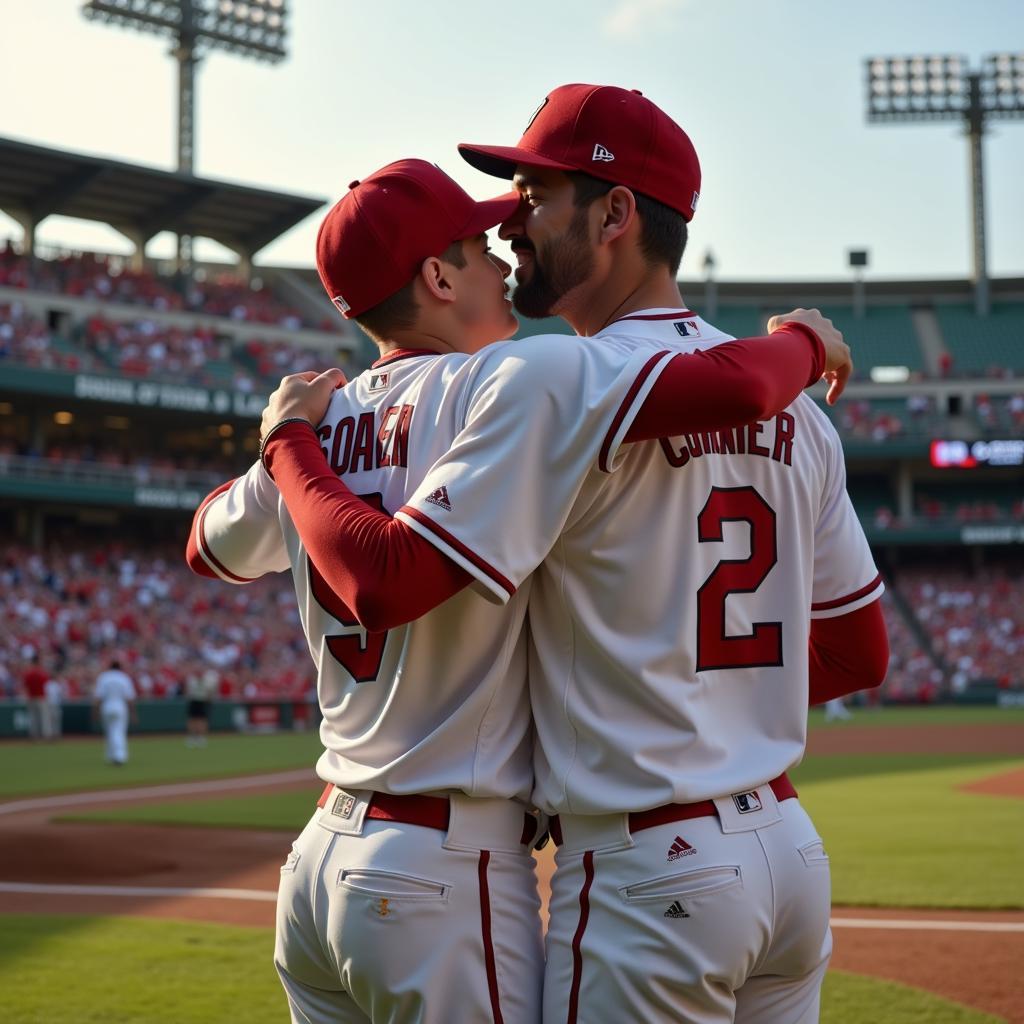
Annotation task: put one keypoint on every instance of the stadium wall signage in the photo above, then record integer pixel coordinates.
(971, 454)
(182, 397)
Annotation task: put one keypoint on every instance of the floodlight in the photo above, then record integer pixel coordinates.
(256, 29)
(941, 87)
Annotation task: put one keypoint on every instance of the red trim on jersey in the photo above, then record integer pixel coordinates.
(847, 653)
(823, 606)
(471, 556)
(577, 939)
(325, 794)
(680, 315)
(401, 353)
(627, 402)
(721, 387)
(485, 925)
(204, 546)
(193, 557)
(382, 569)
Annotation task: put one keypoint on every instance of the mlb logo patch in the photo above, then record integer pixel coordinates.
(687, 328)
(343, 805)
(747, 803)
(339, 301)
(694, 200)
(379, 381)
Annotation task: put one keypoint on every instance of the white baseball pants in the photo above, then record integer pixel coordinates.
(381, 921)
(115, 726)
(709, 920)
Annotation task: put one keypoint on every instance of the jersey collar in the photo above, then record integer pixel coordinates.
(659, 313)
(402, 353)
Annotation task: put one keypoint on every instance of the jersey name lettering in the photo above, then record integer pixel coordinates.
(748, 440)
(356, 443)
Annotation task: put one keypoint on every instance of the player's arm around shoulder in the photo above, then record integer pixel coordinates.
(236, 532)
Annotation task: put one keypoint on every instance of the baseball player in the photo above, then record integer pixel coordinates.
(689, 591)
(427, 726)
(113, 705)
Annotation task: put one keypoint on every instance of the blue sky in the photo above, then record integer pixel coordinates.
(771, 91)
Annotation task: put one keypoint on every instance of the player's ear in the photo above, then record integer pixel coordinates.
(436, 277)
(618, 212)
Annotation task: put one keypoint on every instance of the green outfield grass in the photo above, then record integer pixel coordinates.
(910, 838)
(286, 811)
(945, 714)
(74, 765)
(119, 970)
(897, 829)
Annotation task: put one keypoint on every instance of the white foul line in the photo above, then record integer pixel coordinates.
(925, 925)
(268, 896)
(262, 895)
(102, 796)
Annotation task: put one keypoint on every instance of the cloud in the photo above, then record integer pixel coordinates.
(630, 17)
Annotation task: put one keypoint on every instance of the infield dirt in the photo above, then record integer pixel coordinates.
(979, 968)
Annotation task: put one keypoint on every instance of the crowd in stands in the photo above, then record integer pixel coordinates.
(77, 610)
(111, 279)
(880, 422)
(26, 340)
(1003, 412)
(913, 675)
(143, 468)
(146, 349)
(975, 621)
(935, 510)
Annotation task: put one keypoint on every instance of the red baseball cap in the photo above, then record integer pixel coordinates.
(614, 134)
(376, 237)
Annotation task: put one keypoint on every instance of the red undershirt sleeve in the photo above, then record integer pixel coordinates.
(389, 575)
(730, 384)
(385, 572)
(848, 653)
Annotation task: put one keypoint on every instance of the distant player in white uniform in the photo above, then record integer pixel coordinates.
(426, 726)
(113, 704)
(672, 645)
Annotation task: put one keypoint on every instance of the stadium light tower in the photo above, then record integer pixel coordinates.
(249, 28)
(943, 88)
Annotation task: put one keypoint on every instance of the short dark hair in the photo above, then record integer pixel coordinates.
(399, 310)
(663, 230)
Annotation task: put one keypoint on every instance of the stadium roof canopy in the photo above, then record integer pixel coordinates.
(140, 202)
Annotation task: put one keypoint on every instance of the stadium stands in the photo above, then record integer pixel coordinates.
(975, 620)
(990, 346)
(80, 607)
(913, 676)
(109, 278)
(884, 336)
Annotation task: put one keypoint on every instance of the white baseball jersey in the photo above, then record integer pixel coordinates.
(670, 617)
(114, 689)
(441, 703)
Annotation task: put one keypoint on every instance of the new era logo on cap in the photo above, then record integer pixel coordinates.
(640, 146)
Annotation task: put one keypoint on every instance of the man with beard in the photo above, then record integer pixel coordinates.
(672, 644)
(426, 727)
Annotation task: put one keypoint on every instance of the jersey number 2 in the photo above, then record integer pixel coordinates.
(359, 653)
(762, 647)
